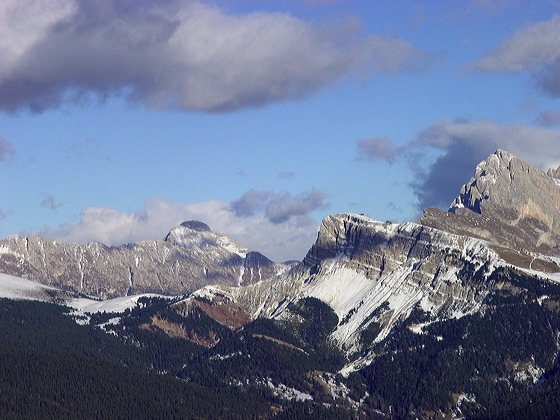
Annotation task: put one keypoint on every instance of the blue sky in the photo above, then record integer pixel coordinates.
(120, 120)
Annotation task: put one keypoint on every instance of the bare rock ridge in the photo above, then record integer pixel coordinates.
(510, 204)
(374, 274)
(359, 265)
(190, 257)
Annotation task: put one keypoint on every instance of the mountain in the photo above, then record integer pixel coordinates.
(374, 273)
(491, 259)
(454, 316)
(511, 205)
(191, 256)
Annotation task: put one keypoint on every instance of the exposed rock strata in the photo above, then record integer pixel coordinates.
(357, 264)
(190, 257)
(508, 203)
(372, 272)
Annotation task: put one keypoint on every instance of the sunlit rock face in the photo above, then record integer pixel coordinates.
(190, 257)
(375, 274)
(401, 265)
(510, 204)
(372, 274)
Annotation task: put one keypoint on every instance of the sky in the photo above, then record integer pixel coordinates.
(120, 120)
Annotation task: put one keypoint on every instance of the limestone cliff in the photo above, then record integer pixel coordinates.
(190, 257)
(510, 204)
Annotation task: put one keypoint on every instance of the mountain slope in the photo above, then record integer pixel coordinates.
(513, 206)
(190, 257)
(372, 272)
(455, 316)
(374, 275)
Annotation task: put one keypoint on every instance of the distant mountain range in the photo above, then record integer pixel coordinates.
(456, 315)
(191, 256)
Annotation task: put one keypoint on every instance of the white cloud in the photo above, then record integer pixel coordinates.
(180, 54)
(24, 23)
(279, 241)
(535, 48)
(531, 46)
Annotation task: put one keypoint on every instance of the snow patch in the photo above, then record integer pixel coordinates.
(12, 287)
(116, 305)
(288, 393)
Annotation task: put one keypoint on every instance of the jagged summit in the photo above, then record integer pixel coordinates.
(554, 173)
(504, 180)
(198, 235)
(508, 203)
(190, 257)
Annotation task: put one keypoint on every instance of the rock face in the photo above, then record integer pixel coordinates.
(190, 257)
(374, 274)
(510, 204)
(358, 265)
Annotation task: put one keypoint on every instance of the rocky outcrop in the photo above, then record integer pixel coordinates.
(510, 204)
(374, 272)
(190, 257)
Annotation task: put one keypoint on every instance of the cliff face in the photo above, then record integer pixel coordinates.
(189, 258)
(510, 204)
(398, 266)
(374, 274)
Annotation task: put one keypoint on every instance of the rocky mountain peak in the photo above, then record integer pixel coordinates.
(497, 181)
(197, 236)
(554, 173)
(190, 257)
(191, 234)
(507, 202)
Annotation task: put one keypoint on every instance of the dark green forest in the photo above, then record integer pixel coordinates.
(475, 366)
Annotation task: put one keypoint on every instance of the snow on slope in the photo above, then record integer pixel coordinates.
(17, 288)
(115, 305)
(22, 289)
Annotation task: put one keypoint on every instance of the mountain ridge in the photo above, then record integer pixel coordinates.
(511, 205)
(191, 256)
(358, 265)
(455, 315)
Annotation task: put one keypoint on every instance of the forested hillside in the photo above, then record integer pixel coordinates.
(153, 362)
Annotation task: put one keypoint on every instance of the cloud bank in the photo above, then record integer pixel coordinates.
(459, 146)
(535, 48)
(181, 54)
(278, 225)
